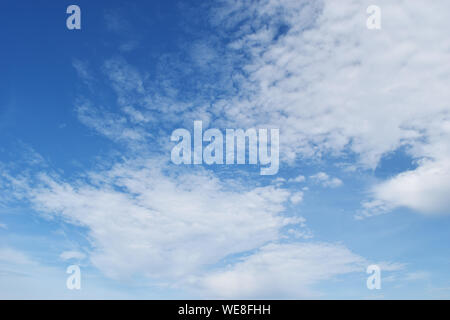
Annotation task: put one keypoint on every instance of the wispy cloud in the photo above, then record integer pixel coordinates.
(14, 257)
(68, 255)
(325, 180)
(164, 225)
(282, 271)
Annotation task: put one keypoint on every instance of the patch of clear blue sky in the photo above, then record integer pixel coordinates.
(38, 86)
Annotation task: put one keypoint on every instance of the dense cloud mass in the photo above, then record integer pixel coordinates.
(336, 87)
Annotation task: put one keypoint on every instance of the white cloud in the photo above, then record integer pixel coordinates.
(172, 225)
(68, 255)
(424, 190)
(143, 220)
(298, 179)
(336, 88)
(110, 124)
(282, 271)
(325, 180)
(297, 197)
(334, 81)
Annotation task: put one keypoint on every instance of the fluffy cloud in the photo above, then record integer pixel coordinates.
(331, 86)
(424, 190)
(335, 87)
(298, 179)
(296, 197)
(325, 180)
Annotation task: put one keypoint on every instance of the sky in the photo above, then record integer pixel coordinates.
(86, 177)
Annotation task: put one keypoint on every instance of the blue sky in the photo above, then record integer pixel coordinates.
(86, 176)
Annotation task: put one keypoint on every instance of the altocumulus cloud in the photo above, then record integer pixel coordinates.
(329, 83)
